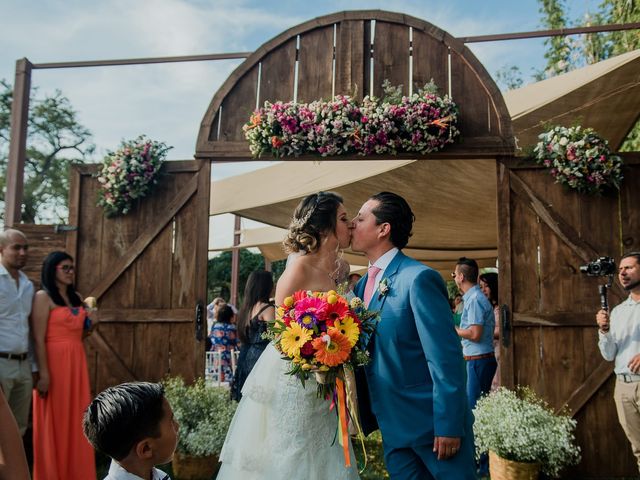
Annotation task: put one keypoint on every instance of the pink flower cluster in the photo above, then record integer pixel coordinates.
(129, 173)
(422, 123)
(579, 158)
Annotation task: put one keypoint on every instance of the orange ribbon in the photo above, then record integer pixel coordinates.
(342, 421)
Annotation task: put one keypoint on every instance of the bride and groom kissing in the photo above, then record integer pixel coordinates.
(414, 387)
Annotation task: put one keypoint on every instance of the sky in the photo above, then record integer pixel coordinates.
(167, 102)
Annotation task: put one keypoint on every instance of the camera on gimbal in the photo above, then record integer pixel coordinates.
(601, 267)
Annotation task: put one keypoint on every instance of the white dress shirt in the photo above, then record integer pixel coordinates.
(15, 308)
(622, 342)
(382, 263)
(117, 472)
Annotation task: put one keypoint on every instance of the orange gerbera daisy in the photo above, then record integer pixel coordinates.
(332, 348)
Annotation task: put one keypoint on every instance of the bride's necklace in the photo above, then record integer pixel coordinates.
(333, 274)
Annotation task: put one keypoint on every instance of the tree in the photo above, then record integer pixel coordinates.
(219, 273)
(55, 141)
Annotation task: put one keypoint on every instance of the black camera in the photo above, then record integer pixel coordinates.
(601, 267)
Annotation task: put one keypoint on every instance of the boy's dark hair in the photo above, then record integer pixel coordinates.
(469, 269)
(121, 416)
(394, 210)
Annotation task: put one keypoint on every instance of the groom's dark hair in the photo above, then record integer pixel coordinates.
(394, 210)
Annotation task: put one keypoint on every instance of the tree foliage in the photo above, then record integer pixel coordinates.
(55, 141)
(219, 273)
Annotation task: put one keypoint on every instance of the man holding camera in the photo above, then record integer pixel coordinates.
(619, 340)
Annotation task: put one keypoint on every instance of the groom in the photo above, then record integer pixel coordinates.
(416, 376)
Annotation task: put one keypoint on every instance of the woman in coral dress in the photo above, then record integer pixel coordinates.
(62, 393)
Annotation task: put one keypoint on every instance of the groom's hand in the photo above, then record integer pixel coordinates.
(446, 447)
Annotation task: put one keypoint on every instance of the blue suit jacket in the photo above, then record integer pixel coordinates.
(416, 378)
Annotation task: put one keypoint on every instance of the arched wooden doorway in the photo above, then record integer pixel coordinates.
(352, 53)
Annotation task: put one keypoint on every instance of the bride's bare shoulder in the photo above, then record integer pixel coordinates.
(292, 279)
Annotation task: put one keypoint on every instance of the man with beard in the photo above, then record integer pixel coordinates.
(16, 295)
(620, 341)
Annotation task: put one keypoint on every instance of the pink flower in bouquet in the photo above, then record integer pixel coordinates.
(310, 311)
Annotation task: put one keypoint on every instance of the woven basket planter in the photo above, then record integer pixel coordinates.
(194, 468)
(502, 469)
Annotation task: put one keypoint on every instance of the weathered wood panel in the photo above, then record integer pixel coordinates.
(143, 269)
(390, 57)
(315, 65)
(237, 108)
(554, 347)
(429, 61)
(42, 240)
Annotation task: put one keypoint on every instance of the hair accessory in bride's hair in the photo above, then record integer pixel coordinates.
(302, 221)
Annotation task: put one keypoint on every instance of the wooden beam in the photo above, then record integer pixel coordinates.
(146, 237)
(17, 143)
(235, 261)
(122, 372)
(566, 232)
(560, 319)
(589, 387)
(146, 315)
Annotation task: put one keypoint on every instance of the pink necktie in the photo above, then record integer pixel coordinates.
(371, 282)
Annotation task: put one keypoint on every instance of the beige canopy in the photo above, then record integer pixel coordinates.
(454, 201)
(604, 96)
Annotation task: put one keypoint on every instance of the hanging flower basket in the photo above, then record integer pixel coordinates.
(129, 174)
(579, 159)
(422, 123)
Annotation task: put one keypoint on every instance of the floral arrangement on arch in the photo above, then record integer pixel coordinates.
(519, 426)
(579, 158)
(422, 123)
(129, 173)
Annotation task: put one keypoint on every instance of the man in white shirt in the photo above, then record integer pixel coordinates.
(16, 295)
(619, 341)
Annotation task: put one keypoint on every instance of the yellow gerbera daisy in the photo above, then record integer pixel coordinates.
(293, 338)
(349, 328)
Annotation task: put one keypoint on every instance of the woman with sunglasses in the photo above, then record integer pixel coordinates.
(59, 323)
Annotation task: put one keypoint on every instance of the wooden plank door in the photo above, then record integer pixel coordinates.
(148, 271)
(550, 338)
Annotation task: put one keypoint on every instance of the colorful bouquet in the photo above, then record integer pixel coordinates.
(320, 333)
(423, 123)
(129, 173)
(579, 158)
(325, 335)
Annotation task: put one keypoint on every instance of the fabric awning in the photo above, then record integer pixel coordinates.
(604, 96)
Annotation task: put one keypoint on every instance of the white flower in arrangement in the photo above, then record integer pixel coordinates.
(564, 141)
(356, 302)
(519, 426)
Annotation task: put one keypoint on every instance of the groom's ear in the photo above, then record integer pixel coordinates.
(384, 230)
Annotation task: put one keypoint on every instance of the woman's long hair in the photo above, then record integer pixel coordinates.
(258, 290)
(48, 280)
(491, 279)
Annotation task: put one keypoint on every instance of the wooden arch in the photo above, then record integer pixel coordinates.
(353, 53)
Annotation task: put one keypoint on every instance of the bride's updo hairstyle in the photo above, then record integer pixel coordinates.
(314, 217)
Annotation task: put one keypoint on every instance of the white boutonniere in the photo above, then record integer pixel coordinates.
(383, 288)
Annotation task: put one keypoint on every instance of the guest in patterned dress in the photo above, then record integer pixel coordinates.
(224, 339)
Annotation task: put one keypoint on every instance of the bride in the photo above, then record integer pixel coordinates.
(282, 430)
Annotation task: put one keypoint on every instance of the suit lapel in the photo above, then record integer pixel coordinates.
(377, 300)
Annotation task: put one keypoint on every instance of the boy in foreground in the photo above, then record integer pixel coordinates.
(134, 425)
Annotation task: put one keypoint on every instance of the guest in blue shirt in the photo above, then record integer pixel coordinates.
(476, 331)
(224, 339)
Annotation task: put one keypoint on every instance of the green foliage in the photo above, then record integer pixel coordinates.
(204, 414)
(376, 469)
(568, 53)
(56, 140)
(509, 77)
(219, 273)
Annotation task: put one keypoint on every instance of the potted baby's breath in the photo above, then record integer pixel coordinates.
(517, 426)
(204, 414)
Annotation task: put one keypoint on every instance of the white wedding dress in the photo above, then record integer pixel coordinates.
(282, 430)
